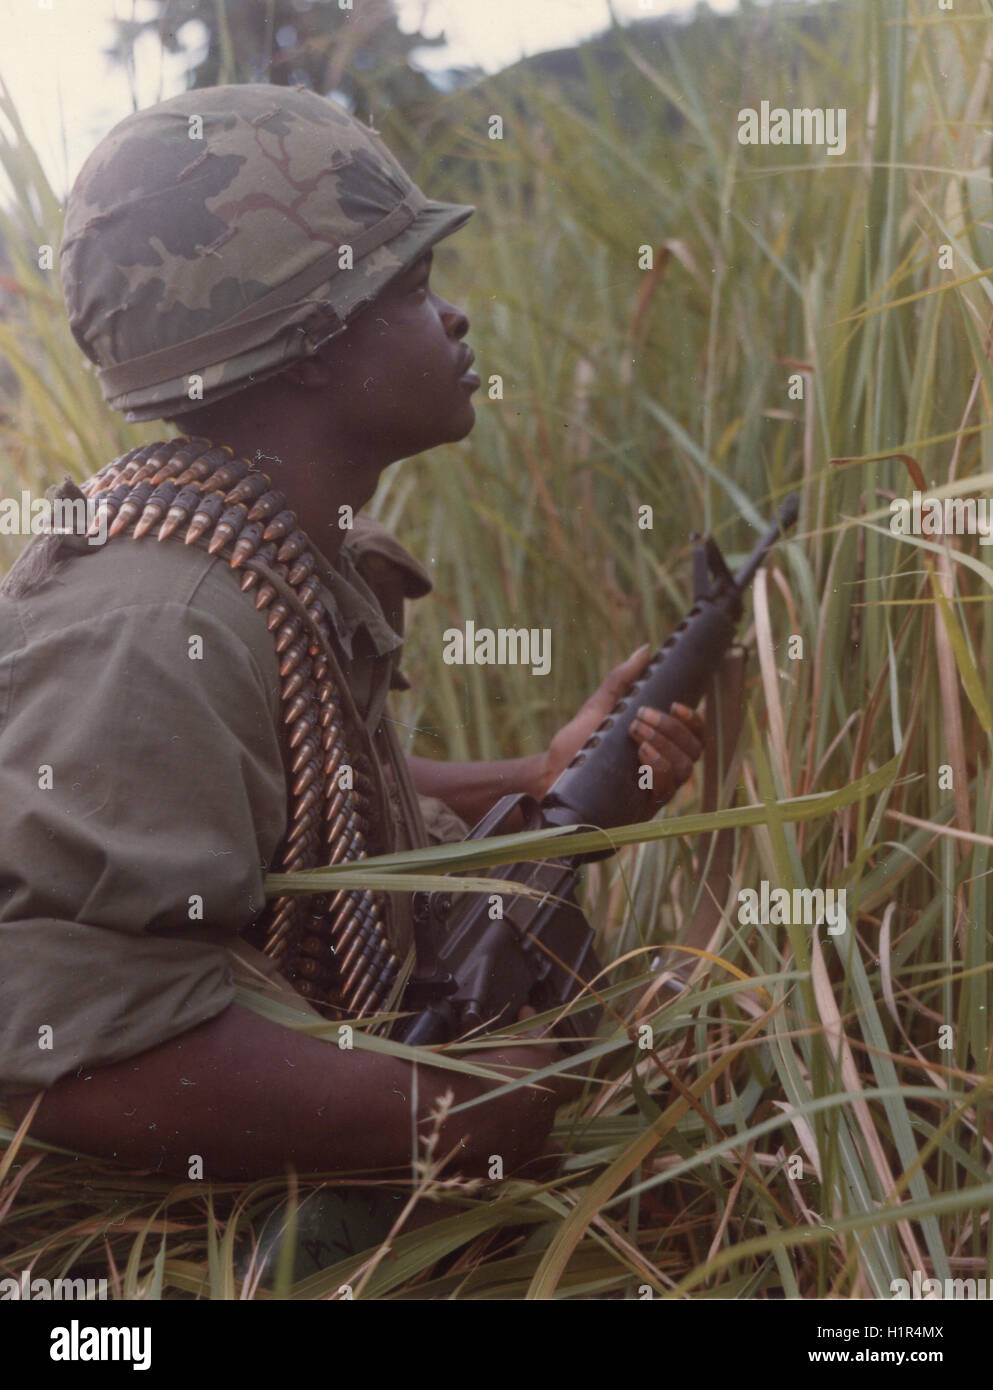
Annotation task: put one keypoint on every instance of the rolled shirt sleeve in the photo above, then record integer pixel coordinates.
(143, 798)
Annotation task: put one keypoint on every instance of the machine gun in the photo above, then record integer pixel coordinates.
(481, 961)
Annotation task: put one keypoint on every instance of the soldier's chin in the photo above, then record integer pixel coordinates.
(447, 428)
(463, 422)
(456, 426)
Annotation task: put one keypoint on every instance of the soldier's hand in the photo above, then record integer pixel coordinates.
(668, 743)
(543, 1051)
(527, 1115)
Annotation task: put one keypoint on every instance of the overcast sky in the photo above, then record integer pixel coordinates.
(68, 94)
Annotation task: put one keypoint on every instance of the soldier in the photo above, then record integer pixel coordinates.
(251, 264)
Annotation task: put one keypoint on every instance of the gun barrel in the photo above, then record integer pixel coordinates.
(788, 514)
(603, 783)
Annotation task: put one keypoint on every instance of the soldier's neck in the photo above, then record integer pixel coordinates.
(325, 486)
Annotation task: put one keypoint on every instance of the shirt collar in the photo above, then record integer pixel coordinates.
(352, 606)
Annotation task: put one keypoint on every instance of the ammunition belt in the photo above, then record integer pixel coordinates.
(335, 949)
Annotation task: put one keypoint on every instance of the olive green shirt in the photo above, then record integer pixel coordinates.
(142, 789)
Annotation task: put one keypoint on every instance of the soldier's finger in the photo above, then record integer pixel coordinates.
(639, 657)
(655, 758)
(628, 670)
(525, 1012)
(680, 766)
(616, 682)
(664, 783)
(689, 717)
(669, 727)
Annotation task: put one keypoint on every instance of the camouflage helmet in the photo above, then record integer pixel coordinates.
(215, 238)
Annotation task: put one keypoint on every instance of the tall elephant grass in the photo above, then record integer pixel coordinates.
(811, 1118)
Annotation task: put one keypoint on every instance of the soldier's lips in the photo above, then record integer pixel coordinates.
(467, 378)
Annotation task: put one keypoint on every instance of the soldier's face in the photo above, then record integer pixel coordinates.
(402, 372)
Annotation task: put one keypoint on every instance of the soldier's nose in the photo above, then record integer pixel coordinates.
(456, 320)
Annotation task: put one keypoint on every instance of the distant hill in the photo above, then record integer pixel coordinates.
(598, 79)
